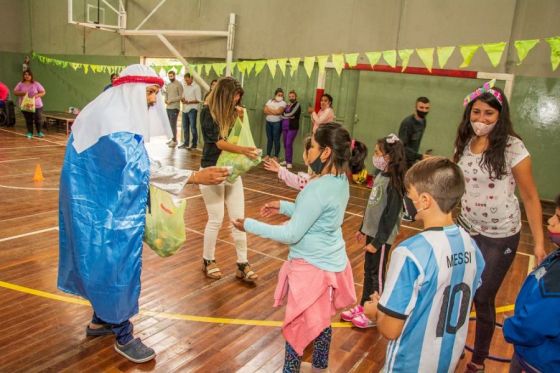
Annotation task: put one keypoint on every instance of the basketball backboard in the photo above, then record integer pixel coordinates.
(102, 14)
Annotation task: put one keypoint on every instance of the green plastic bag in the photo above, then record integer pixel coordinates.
(240, 135)
(165, 225)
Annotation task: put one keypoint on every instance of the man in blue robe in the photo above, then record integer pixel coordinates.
(103, 198)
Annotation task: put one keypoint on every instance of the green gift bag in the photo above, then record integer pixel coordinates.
(165, 226)
(240, 135)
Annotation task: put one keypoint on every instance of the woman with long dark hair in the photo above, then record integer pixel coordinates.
(217, 119)
(494, 160)
(33, 89)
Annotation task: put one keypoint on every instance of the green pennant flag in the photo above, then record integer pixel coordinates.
(390, 57)
(523, 48)
(75, 65)
(373, 57)
(351, 59)
(294, 65)
(207, 68)
(467, 51)
(404, 55)
(554, 51)
(338, 62)
(322, 62)
(242, 66)
(494, 52)
(443, 54)
(250, 66)
(259, 65)
(86, 68)
(219, 68)
(427, 57)
(308, 65)
(282, 65)
(272, 67)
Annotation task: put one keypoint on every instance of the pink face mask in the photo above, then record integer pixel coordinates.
(481, 129)
(380, 163)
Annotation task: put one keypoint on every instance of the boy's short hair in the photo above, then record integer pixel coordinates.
(439, 177)
(422, 99)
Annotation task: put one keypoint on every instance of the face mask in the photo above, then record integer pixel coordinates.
(481, 129)
(279, 98)
(292, 100)
(421, 114)
(554, 237)
(317, 165)
(379, 162)
(410, 208)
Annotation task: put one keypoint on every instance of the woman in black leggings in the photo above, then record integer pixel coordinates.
(494, 160)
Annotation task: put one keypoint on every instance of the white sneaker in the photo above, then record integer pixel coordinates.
(169, 142)
(289, 166)
(283, 163)
(172, 144)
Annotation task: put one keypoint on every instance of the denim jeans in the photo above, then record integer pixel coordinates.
(273, 134)
(173, 114)
(189, 121)
(122, 331)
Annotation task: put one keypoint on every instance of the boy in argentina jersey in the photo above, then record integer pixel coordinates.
(432, 277)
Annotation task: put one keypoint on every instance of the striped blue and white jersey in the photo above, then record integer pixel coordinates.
(431, 281)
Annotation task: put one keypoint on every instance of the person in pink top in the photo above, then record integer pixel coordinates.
(33, 89)
(296, 181)
(4, 92)
(325, 115)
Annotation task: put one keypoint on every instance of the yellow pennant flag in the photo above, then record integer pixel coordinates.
(467, 51)
(554, 51)
(427, 57)
(217, 69)
(351, 59)
(259, 65)
(74, 65)
(494, 52)
(250, 66)
(404, 55)
(390, 57)
(338, 62)
(443, 54)
(308, 65)
(523, 48)
(282, 65)
(242, 66)
(294, 65)
(272, 66)
(321, 63)
(373, 57)
(207, 68)
(86, 68)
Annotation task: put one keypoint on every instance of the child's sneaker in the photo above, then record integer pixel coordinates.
(283, 163)
(40, 134)
(361, 321)
(289, 166)
(352, 312)
(29, 135)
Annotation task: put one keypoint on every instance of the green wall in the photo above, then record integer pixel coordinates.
(370, 104)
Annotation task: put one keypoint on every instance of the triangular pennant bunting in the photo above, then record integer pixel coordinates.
(322, 63)
(494, 52)
(443, 54)
(427, 57)
(338, 62)
(259, 65)
(554, 51)
(351, 59)
(242, 66)
(282, 65)
(467, 51)
(250, 66)
(404, 55)
(390, 57)
(272, 66)
(523, 48)
(309, 64)
(373, 57)
(294, 65)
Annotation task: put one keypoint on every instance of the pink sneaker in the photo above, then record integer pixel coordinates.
(352, 312)
(361, 321)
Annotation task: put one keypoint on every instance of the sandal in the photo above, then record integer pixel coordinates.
(246, 273)
(210, 268)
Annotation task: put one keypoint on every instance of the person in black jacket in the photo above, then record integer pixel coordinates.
(412, 129)
(290, 127)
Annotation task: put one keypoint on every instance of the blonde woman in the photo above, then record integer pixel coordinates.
(217, 118)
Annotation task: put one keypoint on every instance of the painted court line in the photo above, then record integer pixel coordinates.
(18, 160)
(25, 188)
(29, 216)
(35, 138)
(29, 234)
(185, 317)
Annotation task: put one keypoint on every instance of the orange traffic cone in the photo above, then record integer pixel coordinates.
(38, 173)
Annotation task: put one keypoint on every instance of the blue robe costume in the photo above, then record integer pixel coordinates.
(103, 196)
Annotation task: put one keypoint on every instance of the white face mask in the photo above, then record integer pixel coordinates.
(379, 162)
(279, 98)
(481, 129)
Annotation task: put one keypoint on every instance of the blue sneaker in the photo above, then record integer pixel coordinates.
(29, 135)
(135, 351)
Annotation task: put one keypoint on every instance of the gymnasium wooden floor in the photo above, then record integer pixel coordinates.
(194, 324)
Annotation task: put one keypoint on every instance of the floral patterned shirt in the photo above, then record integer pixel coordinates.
(490, 205)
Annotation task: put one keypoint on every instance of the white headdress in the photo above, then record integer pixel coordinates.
(123, 108)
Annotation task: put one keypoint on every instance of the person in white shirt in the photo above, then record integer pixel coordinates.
(273, 110)
(192, 97)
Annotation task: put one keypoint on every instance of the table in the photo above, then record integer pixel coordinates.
(60, 117)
